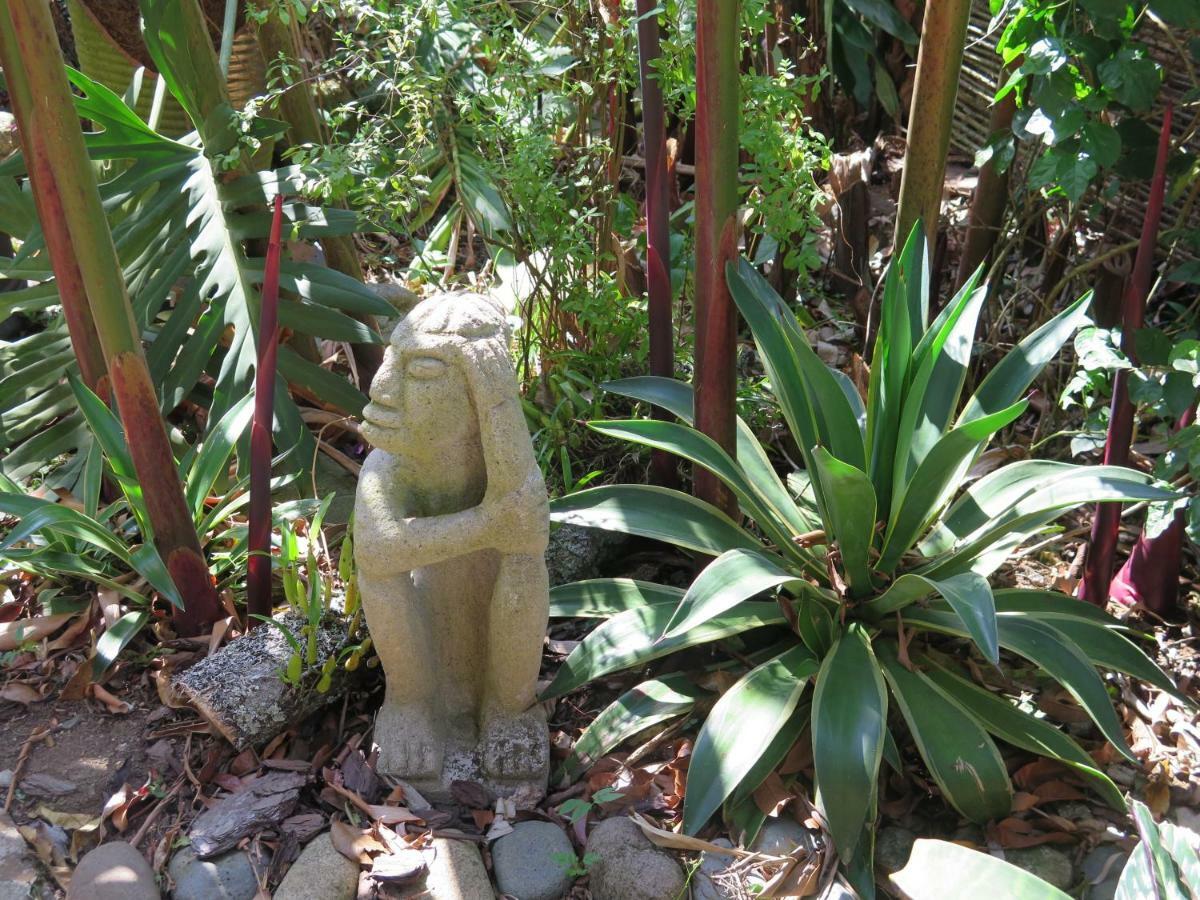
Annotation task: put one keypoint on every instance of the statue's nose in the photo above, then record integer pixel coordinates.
(383, 386)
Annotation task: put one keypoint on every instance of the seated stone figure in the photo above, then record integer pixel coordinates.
(451, 525)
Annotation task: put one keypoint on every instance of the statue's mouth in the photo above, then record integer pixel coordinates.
(382, 417)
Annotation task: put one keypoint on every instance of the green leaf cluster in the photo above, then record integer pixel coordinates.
(831, 582)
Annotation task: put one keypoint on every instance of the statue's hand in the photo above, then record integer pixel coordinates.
(519, 520)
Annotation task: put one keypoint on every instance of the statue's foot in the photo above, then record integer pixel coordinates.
(516, 747)
(410, 746)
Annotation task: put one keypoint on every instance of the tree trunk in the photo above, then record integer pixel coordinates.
(717, 85)
(930, 117)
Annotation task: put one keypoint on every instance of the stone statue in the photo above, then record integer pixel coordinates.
(451, 526)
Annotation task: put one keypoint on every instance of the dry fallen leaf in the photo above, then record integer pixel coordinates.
(112, 703)
(14, 634)
(20, 693)
(353, 843)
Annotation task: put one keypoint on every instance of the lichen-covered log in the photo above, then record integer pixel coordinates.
(240, 688)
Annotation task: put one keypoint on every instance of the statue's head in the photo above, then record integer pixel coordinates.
(447, 367)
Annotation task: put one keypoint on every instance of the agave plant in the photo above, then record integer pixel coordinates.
(840, 576)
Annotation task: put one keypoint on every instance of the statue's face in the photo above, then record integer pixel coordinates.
(420, 404)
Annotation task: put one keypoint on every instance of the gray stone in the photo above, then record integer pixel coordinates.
(575, 553)
(456, 872)
(320, 871)
(18, 873)
(709, 881)
(893, 845)
(47, 786)
(1047, 863)
(781, 836)
(114, 871)
(531, 862)
(230, 876)
(8, 134)
(1102, 868)
(628, 867)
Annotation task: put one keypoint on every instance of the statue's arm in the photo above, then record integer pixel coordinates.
(387, 542)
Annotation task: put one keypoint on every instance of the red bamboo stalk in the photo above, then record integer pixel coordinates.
(67, 278)
(717, 84)
(1098, 568)
(258, 575)
(31, 45)
(1150, 577)
(658, 220)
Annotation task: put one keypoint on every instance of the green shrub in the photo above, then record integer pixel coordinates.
(848, 566)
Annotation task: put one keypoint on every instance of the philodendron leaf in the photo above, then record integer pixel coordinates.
(959, 753)
(631, 638)
(934, 865)
(637, 709)
(653, 512)
(725, 582)
(848, 723)
(760, 704)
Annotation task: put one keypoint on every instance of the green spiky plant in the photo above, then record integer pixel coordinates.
(849, 568)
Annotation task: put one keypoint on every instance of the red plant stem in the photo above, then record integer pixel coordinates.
(258, 575)
(658, 224)
(1150, 576)
(1098, 568)
(717, 84)
(81, 327)
(67, 182)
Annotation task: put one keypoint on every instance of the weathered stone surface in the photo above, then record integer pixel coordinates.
(114, 871)
(780, 836)
(629, 867)
(1047, 863)
(711, 881)
(320, 871)
(230, 876)
(576, 553)
(1102, 868)
(531, 862)
(893, 846)
(451, 528)
(456, 872)
(17, 870)
(48, 786)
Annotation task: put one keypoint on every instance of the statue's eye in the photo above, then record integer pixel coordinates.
(424, 367)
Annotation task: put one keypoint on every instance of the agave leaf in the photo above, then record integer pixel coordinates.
(850, 508)
(214, 453)
(115, 639)
(760, 704)
(941, 361)
(1097, 634)
(1011, 724)
(653, 512)
(599, 598)
(811, 399)
(702, 450)
(935, 481)
(1083, 484)
(958, 752)
(677, 398)
(848, 724)
(969, 595)
(1013, 375)
(1054, 652)
(634, 711)
(732, 577)
(631, 638)
(935, 864)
